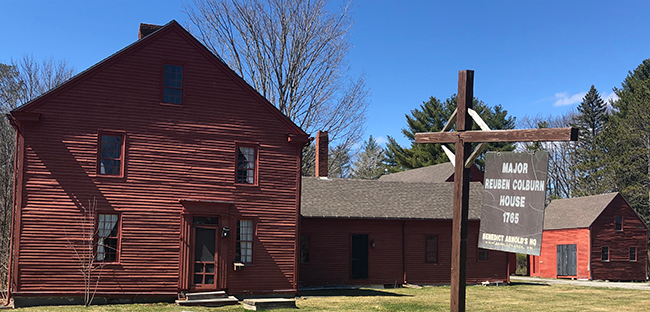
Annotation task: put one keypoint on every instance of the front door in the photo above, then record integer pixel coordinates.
(359, 256)
(567, 260)
(205, 246)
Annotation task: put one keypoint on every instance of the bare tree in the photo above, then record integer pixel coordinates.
(85, 251)
(294, 53)
(561, 160)
(20, 82)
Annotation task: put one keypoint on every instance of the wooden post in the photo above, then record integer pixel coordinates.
(463, 137)
(461, 192)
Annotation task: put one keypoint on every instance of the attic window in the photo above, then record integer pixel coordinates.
(173, 87)
(618, 223)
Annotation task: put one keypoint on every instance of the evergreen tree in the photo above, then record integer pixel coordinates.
(368, 164)
(339, 161)
(627, 140)
(431, 117)
(589, 153)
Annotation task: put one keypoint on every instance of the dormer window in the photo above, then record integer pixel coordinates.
(173, 85)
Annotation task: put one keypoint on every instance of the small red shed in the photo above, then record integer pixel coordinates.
(596, 237)
(188, 179)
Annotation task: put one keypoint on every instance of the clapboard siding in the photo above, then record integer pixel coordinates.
(330, 243)
(173, 152)
(634, 234)
(546, 262)
(589, 242)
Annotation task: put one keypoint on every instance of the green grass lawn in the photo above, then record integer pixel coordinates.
(503, 298)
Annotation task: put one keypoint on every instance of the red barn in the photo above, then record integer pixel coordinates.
(595, 237)
(365, 232)
(187, 178)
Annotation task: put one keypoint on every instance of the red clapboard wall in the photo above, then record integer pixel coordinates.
(396, 252)
(599, 232)
(179, 162)
(545, 265)
(633, 234)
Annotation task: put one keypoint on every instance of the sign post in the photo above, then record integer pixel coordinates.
(513, 202)
(463, 138)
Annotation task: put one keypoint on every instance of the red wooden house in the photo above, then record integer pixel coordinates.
(365, 232)
(595, 237)
(188, 176)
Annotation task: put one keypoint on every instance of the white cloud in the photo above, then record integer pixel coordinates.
(563, 99)
(381, 140)
(609, 96)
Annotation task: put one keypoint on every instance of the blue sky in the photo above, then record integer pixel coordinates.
(532, 57)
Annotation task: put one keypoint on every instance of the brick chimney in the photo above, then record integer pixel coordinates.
(146, 29)
(322, 142)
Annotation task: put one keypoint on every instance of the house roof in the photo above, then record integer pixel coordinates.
(154, 34)
(431, 174)
(353, 198)
(579, 212)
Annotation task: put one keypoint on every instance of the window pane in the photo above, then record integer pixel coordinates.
(632, 253)
(431, 249)
(619, 223)
(244, 241)
(107, 237)
(304, 249)
(246, 165)
(605, 254)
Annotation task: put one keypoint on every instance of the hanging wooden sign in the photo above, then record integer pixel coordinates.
(514, 195)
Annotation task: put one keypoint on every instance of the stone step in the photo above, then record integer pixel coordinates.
(206, 295)
(269, 303)
(214, 302)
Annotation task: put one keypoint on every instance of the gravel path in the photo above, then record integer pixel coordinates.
(537, 280)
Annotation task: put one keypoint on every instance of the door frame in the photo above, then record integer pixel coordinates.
(217, 253)
(367, 262)
(203, 208)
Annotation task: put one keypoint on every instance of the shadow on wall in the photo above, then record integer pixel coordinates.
(349, 293)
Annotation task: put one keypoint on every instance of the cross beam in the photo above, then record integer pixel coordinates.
(463, 137)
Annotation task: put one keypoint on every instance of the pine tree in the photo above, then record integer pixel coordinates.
(368, 164)
(431, 117)
(627, 140)
(589, 153)
(339, 161)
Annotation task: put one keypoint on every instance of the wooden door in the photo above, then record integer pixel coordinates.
(567, 260)
(205, 246)
(359, 256)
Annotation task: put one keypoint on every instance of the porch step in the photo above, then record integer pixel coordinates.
(269, 303)
(206, 295)
(214, 302)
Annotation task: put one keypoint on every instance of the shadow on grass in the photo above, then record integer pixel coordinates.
(349, 293)
(528, 284)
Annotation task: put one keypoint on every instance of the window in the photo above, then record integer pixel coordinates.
(483, 255)
(108, 237)
(246, 163)
(173, 87)
(619, 223)
(111, 154)
(605, 254)
(244, 245)
(632, 253)
(431, 249)
(304, 249)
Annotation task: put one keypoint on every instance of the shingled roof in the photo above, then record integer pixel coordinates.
(432, 174)
(352, 198)
(579, 212)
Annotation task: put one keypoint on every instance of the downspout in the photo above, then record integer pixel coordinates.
(12, 121)
(404, 251)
